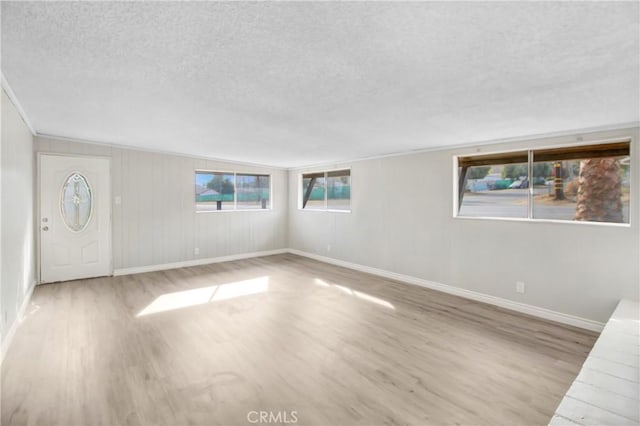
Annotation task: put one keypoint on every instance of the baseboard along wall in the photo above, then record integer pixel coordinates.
(468, 294)
(196, 262)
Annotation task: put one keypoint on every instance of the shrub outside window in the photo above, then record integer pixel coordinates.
(329, 190)
(588, 183)
(220, 191)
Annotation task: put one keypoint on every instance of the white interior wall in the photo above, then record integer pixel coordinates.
(18, 244)
(402, 221)
(156, 222)
(2, 326)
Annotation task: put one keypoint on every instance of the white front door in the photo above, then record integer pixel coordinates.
(75, 218)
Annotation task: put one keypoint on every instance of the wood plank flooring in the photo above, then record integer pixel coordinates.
(283, 334)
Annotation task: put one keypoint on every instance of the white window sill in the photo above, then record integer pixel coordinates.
(556, 221)
(233, 211)
(324, 210)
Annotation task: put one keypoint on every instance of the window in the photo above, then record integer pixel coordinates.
(313, 191)
(582, 183)
(496, 185)
(215, 191)
(76, 202)
(327, 190)
(253, 191)
(577, 183)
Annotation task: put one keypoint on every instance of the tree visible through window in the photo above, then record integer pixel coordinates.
(581, 183)
(231, 191)
(253, 191)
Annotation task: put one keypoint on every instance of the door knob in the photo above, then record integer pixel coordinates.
(45, 228)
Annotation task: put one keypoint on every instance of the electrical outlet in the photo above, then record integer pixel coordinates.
(196, 251)
(520, 287)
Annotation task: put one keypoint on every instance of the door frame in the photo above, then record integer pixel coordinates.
(38, 216)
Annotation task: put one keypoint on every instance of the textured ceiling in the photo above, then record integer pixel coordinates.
(289, 84)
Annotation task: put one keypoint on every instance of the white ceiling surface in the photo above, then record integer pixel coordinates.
(291, 84)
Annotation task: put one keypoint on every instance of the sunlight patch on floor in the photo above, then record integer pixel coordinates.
(358, 294)
(204, 295)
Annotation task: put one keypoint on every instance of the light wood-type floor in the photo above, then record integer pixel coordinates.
(210, 344)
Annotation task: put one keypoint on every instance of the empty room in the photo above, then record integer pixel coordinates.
(320, 213)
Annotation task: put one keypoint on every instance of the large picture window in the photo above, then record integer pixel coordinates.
(216, 191)
(589, 183)
(329, 190)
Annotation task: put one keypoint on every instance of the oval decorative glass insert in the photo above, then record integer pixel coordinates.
(76, 202)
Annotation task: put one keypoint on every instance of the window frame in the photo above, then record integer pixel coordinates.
(325, 172)
(530, 150)
(235, 191)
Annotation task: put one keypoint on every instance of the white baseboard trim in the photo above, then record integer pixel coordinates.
(196, 262)
(468, 294)
(6, 341)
